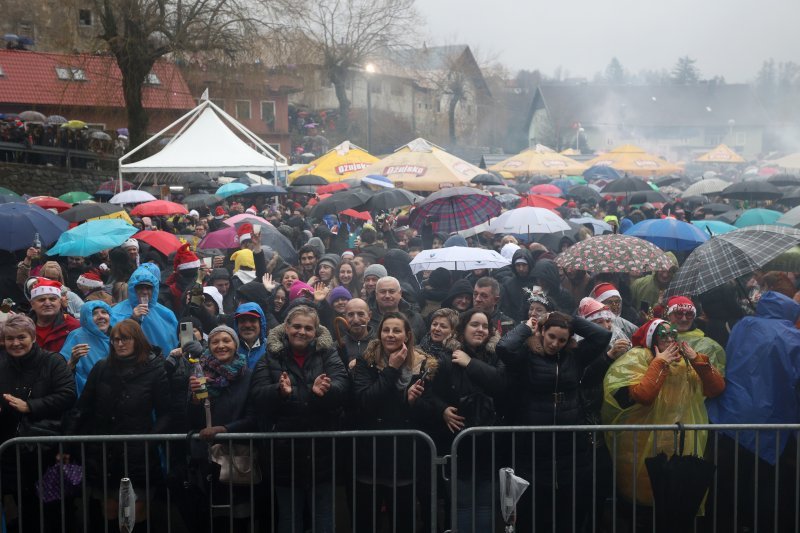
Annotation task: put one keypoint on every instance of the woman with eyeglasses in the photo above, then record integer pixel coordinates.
(545, 368)
(659, 381)
(126, 393)
(36, 389)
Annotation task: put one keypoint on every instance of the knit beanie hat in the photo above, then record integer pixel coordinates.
(243, 258)
(130, 243)
(339, 292)
(375, 270)
(298, 288)
(224, 329)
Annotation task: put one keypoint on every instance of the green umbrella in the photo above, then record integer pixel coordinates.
(75, 197)
(653, 186)
(577, 179)
(9, 192)
(786, 262)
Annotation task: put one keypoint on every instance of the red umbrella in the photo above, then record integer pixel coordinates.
(164, 242)
(318, 199)
(547, 189)
(158, 208)
(49, 202)
(538, 200)
(361, 215)
(332, 187)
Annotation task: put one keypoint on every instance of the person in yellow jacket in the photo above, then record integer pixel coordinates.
(659, 381)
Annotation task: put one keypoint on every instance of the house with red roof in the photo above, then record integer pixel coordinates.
(87, 87)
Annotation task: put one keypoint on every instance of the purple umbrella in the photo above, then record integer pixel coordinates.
(224, 238)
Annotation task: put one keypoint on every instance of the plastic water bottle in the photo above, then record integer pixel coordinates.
(37, 242)
(127, 506)
(197, 371)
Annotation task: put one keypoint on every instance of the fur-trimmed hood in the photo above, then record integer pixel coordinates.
(277, 342)
(453, 344)
(372, 355)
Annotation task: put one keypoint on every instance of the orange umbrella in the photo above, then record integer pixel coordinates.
(538, 200)
(361, 215)
(158, 208)
(332, 187)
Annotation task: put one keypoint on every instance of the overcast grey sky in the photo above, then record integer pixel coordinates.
(728, 38)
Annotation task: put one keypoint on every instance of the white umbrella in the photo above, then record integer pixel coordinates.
(706, 186)
(526, 220)
(133, 196)
(457, 258)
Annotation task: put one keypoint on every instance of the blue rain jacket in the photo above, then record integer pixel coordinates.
(89, 334)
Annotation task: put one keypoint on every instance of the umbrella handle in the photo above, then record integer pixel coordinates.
(681, 437)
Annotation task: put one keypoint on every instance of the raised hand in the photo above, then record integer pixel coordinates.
(397, 359)
(285, 385)
(268, 282)
(321, 385)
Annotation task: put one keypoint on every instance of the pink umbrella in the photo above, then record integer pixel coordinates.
(547, 190)
(221, 239)
(158, 208)
(245, 217)
(767, 171)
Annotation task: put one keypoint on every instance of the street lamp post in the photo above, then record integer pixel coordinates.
(578, 138)
(370, 69)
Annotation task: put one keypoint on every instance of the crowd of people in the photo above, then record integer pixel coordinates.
(348, 337)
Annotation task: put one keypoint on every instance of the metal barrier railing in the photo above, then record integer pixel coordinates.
(582, 479)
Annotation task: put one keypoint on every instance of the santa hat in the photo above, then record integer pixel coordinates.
(130, 243)
(592, 310)
(680, 303)
(604, 291)
(245, 232)
(251, 210)
(44, 286)
(220, 212)
(643, 337)
(185, 258)
(90, 279)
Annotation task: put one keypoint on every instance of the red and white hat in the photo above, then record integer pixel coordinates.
(44, 286)
(245, 232)
(251, 210)
(680, 303)
(220, 213)
(592, 310)
(185, 258)
(604, 291)
(643, 337)
(90, 279)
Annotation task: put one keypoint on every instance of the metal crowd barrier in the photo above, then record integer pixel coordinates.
(389, 481)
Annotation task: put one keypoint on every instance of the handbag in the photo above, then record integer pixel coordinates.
(49, 487)
(237, 465)
(477, 409)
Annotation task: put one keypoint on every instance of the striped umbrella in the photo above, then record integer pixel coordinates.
(455, 208)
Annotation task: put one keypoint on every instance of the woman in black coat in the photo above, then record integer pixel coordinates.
(301, 385)
(37, 389)
(545, 369)
(127, 393)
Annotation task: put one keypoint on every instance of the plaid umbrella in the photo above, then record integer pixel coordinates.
(752, 190)
(455, 208)
(726, 257)
(613, 253)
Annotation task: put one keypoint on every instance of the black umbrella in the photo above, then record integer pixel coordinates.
(729, 217)
(668, 180)
(791, 197)
(646, 196)
(752, 190)
(263, 190)
(389, 199)
(784, 180)
(679, 484)
(626, 184)
(584, 193)
(694, 200)
(502, 189)
(715, 209)
(195, 201)
(196, 179)
(82, 212)
(487, 179)
(309, 179)
(339, 202)
(303, 189)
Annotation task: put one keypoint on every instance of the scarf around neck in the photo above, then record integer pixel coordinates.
(220, 375)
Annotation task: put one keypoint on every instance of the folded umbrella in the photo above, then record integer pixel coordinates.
(158, 208)
(669, 234)
(511, 489)
(133, 196)
(92, 237)
(457, 258)
(724, 258)
(613, 253)
(21, 222)
(163, 241)
(82, 212)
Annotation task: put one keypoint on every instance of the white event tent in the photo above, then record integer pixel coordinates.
(205, 143)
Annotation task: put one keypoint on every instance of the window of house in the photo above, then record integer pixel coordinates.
(1, 72)
(276, 146)
(25, 29)
(268, 112)
(219, 103)
(78, 74)
(397, 88)
(243, 109)
(152, 79)
(96, 126)
(375, 87)
(84, 17)
(63, 73)
(438, 105)
(741, 138)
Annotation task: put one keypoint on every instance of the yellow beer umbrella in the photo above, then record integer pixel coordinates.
(423, 166)
(635, 161)
(337, 164)
(720, 154)
(539, 161)
(119, 214)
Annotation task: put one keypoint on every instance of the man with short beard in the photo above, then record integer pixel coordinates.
(251, 327)
(359, 332)
(52, 324)
(308, 257)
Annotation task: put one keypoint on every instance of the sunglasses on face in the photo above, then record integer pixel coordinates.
(683, 314)
(670, 334)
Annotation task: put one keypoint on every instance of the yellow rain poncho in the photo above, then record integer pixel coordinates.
(679, 400)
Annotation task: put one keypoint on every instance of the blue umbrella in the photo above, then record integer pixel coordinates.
(21, 223)
(669, 234)
(229, 189)
(714, 227)
(564, 185)
(11, 199)
(92, 237)
(754, 217)
(378, 181)
(601, 172)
